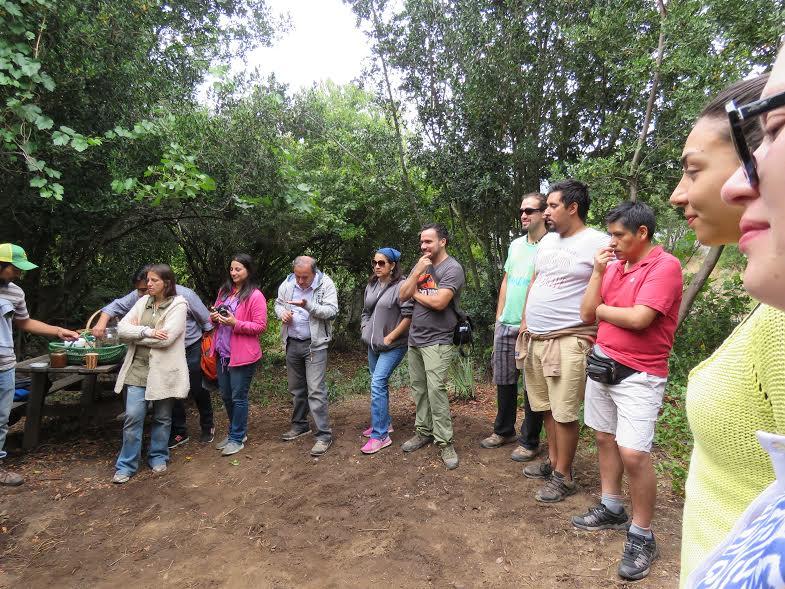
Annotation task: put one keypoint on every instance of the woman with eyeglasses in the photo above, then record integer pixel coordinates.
(725, 395)
(385, 326)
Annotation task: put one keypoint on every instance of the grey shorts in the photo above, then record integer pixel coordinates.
(503, 359)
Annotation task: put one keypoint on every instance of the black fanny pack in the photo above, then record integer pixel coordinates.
(601, 368)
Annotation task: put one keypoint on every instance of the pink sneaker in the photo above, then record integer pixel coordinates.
(367, 433)
(373, 445)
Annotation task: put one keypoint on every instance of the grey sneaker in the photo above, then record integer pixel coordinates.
(293, 434)
(231, 448)
(119, 478)
(10, 478)
(600, 517)
(522, 454)
(222, 444)
(449, 457)
(416, 442)
(159, 468)
(556, 489)
(639, 553)
(540, 470)
(497, 441)
(320, 447)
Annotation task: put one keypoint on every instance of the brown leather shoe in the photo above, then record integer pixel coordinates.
(9, 478)
(521, 454)
(497, 441)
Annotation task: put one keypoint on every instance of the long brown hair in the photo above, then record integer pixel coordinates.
(166, 274)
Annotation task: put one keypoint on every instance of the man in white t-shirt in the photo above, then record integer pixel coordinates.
(555, 340)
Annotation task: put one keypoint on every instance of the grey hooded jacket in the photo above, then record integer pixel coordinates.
(322, 308)
(377, 321)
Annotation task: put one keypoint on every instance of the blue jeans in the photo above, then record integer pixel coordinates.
(135, 410)
(7, 385)
(234, 383)
(381, 366)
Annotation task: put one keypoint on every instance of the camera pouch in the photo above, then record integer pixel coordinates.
(601, 368)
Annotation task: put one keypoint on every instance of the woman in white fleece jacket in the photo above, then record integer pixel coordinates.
(154, 370)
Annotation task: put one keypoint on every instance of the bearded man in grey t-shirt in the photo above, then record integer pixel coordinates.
(435, 284)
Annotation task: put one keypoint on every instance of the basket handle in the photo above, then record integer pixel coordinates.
(89, 321)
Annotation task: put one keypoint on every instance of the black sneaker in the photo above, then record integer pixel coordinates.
(208, 435)
(639, 553)
(178, 440)
(600, 517)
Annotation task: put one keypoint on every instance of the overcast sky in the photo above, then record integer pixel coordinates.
(321, 44)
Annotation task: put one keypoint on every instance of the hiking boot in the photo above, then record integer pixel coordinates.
(556, 489)
(639, 553)
(159, 468)
(208, 435)
(10, 478)
(367, 433)
(372, 446)
(222, 444)
(600, 517)
(497, 441)
(416, 442)
(540, 470)
(523, 454)
(120, 477)
(449, 457)
(321, 447)
(293, 434)
(232, 447)
(178, 440)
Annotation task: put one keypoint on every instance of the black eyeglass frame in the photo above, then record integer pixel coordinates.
(737, 115)
(529, 210)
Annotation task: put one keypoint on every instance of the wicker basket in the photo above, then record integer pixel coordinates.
(106, 354)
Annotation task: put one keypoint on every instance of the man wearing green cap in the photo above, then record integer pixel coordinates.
(13, 312)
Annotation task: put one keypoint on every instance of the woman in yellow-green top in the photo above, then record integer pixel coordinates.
(737, 390)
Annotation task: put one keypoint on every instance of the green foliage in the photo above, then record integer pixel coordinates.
(461, 377)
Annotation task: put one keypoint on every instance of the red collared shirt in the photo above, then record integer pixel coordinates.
(656, 282)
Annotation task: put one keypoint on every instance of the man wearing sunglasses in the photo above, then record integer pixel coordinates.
(518, 271)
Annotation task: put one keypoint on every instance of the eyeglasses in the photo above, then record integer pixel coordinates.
(530, 211)
(739, 114)
(375, 263)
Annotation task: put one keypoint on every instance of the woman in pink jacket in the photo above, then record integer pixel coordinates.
(240, 311)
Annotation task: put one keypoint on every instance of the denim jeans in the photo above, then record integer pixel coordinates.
(135, 410)
(306, 371)
(193, 355)
(234, 382)
(7, 385)
(381, 366)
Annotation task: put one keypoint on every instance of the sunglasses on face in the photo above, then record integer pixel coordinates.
(529, 211)
(736, 116)
(375, 263)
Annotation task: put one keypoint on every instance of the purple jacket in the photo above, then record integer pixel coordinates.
(251, 318)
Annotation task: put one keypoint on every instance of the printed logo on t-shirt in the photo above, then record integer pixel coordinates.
(554, 266)
(426, 283)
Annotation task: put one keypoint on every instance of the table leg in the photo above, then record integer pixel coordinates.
(35, 405)
(87, 400)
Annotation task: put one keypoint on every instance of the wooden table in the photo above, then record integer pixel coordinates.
(40, 372)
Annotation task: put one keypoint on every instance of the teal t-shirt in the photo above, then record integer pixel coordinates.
(519, 268)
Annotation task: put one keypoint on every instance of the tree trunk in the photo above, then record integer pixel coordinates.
(700, 278)
(655, 82)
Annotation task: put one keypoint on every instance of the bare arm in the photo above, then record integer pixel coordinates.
(409, 286)
(437, 302)
(502, 297)
(526, 300)
(636, 318)
(592, 298)
(40, 328)
(400, 329)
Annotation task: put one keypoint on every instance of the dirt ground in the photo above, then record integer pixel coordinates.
(279, 518)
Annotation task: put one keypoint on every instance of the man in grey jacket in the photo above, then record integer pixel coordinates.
(307, 303)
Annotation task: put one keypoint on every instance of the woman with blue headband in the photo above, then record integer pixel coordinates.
(385, 327)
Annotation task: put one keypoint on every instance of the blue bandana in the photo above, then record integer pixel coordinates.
(390, 253)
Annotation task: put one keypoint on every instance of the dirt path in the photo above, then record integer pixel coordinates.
(283, 519)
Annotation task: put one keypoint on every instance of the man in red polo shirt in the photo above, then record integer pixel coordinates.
(634, 294)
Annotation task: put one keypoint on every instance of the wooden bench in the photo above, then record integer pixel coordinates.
(18, 408)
